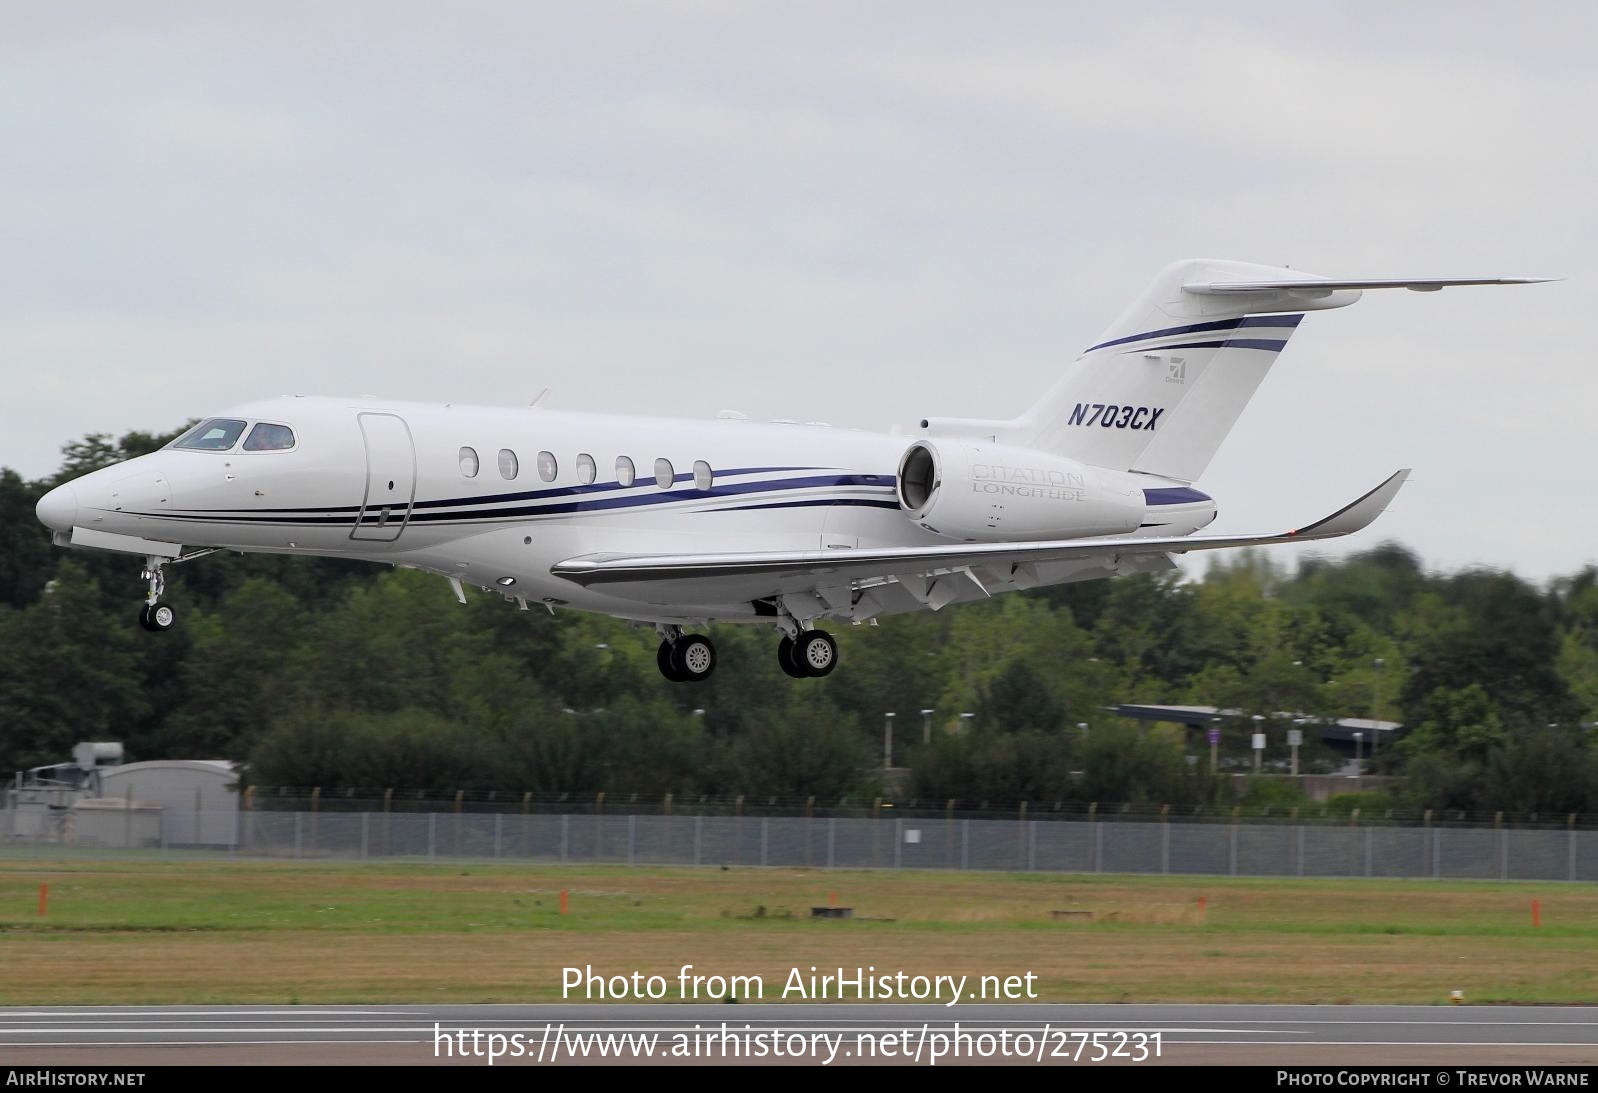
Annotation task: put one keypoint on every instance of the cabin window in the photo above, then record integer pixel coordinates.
(626, 475)
(508, 466)
(664, 475)
(587, 471)
(266, 437)
(547, 467)
(468, 460)
(217, 434)
(704, 477)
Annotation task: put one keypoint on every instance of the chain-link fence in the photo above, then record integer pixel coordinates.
(1099, 845)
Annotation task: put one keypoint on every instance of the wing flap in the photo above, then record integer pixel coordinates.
(744, 575)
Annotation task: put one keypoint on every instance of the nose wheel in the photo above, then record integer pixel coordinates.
(812, 654)
(155, 615)
(689, 659)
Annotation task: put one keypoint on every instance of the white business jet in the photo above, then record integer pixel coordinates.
(678, 523)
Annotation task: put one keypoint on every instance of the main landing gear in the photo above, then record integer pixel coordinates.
(685, 658)
(809, 654)
(155, 615)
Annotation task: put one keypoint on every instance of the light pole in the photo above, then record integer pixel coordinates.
(1258, 742)
(1359, 738)
(1082, 729)
(1215, 743)
(887, 741)
(965, 722)
(1295, 737)
(926, 726)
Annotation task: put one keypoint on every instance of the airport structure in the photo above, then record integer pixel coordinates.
(96, 800)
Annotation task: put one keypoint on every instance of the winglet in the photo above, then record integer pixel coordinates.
(1358, 514)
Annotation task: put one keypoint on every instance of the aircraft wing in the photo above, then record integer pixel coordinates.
(1326, 286)
(737, 576)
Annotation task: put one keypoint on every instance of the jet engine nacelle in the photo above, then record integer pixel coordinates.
(979, 492)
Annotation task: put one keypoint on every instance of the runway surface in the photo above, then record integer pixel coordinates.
(884, 1034)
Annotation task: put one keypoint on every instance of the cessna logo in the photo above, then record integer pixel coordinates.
(1177, 372)
(1108, 415)
(1051, 485)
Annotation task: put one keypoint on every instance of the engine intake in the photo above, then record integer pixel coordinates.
(991, 493)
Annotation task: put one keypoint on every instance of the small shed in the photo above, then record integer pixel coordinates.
(198, 798)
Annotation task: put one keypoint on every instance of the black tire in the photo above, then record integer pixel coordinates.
(157, 617)
(815, 653)
(693, 658)
(663, 662)
(785, 659)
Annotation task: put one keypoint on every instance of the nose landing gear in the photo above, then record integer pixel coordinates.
(155, 615)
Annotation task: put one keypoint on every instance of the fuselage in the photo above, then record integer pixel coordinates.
(495, 496)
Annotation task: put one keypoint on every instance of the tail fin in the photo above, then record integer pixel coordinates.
(1166, 382)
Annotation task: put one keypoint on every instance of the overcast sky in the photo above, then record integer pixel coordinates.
(862, 213)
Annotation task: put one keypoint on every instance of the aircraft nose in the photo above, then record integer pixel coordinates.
(58, 509)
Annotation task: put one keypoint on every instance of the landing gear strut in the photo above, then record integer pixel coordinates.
(155, 615)
(687, 658)
(810, 654)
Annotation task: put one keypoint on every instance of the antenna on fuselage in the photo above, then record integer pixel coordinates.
(538, 398)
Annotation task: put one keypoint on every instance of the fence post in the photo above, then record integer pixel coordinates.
(832, 839)
(1165, 838)
(898, 842)
(316, 808)
(527, 803)
(1503, 852)
(1426, 839)
(432, 834)
(810, 821)
(765, 824)
(298, 823)
(366, 834)
(499, 827)
(965, 844)
(738, 830)
(1021, 833)
(1098, 839)
(948, 835)
(1231, 844)
(1437, 853)
(1032, 845)
(1300, 829)
(1570, 851)
(632, 838)
(565, 836)
(1370, 850)
(699, 838)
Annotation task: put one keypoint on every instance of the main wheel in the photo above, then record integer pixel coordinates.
(663, 662)
(815, 652)
(785, 658)
(157, 616)
(693, 658)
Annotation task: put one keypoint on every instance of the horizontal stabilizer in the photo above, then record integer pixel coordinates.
(1325, 286)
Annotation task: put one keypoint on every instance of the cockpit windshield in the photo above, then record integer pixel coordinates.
(266, 437)
(216, 434)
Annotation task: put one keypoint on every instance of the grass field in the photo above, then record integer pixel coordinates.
(208, 931)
